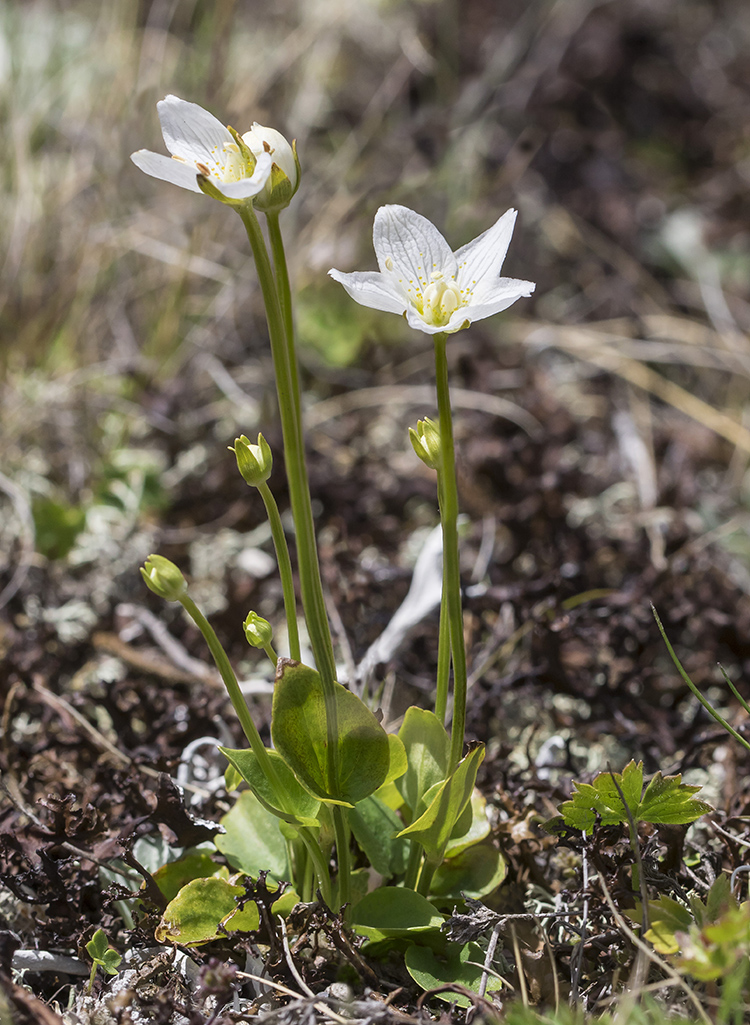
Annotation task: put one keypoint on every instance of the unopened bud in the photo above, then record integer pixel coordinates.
(285, 170)
(258, 631)
(164, 578)
(425, 441)
(254, 462)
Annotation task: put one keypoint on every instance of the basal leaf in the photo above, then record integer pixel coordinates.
(300, 807)
(299, 731)
(460, 964)
(427, 746)
(394, 911)
(375, 825)
(448, 800)
(252, 840)
(202, 909)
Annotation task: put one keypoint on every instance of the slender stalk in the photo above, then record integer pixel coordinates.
(256, 744)
(413, 866)
(313, 602)
(285, 568)
(425, 876)
(444, 641)
(235, 695)
(341, 829)
(284, 290)
(272, 656)
(451, 572)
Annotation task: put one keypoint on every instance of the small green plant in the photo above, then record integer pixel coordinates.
(619, 797)
(335, 788)
(103, 956)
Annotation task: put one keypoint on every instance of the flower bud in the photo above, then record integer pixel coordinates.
(425, 441)
(254, 462)
(258, 631)
(285, 170)
(164, 578)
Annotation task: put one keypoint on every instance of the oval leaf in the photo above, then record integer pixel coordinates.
(201, 909)
(395, 911)
(460, 964)
(427, 746)
(300, 807)
(252, 841)
(300, 735)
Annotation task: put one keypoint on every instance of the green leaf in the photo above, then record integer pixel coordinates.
(170, 878)
(394, 911)
(102, 954)
(300, 735)
(472, 827)
(666, 917)
(427, 746)
(447, 801)
(301, 807)
(375, 825)
(202, 910)
(476, 872)
(666, 799)
(398, 761)
(252, 841)
(461, 964)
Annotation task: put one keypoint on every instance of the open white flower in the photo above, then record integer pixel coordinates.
(421, 278)
(201, 145)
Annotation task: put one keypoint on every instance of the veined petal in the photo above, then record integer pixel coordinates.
(166, 168)
(190, 131)
(504, 293)
(480, 261)
(410, 249)
(369, 288)
(247, 187)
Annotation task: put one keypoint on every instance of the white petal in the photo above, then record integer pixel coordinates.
(247, 187)
(371, 289)
(169, 170)
(190, 131)
(481, 260)
(409, 249)
(505, 292)
(282, 152)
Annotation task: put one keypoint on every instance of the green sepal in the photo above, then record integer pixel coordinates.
(299, 806)
(299, 732)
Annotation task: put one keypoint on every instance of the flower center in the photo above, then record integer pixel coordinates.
(440, 299)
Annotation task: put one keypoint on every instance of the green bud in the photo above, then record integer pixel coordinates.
(254, 462)
(164, 578)
(258, 631)
(425, 441)
(285, 170)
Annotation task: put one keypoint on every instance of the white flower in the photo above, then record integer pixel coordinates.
(284, 178)
(434, 288)
(200, 144)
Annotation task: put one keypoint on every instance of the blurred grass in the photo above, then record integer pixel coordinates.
(593, 119)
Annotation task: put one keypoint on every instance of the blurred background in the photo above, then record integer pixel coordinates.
(132, 337)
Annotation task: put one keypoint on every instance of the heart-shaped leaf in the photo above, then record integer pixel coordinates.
(299, 731)
(202, 910)
(394, 911)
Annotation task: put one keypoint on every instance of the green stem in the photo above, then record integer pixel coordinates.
(413, 866)
(272, 656)
(444, 641)
(425, 876)
(285, 568)
(253, 737)
(284, 291)
(313, 602)
(452, 576)
(341, 829)
(235, 696)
